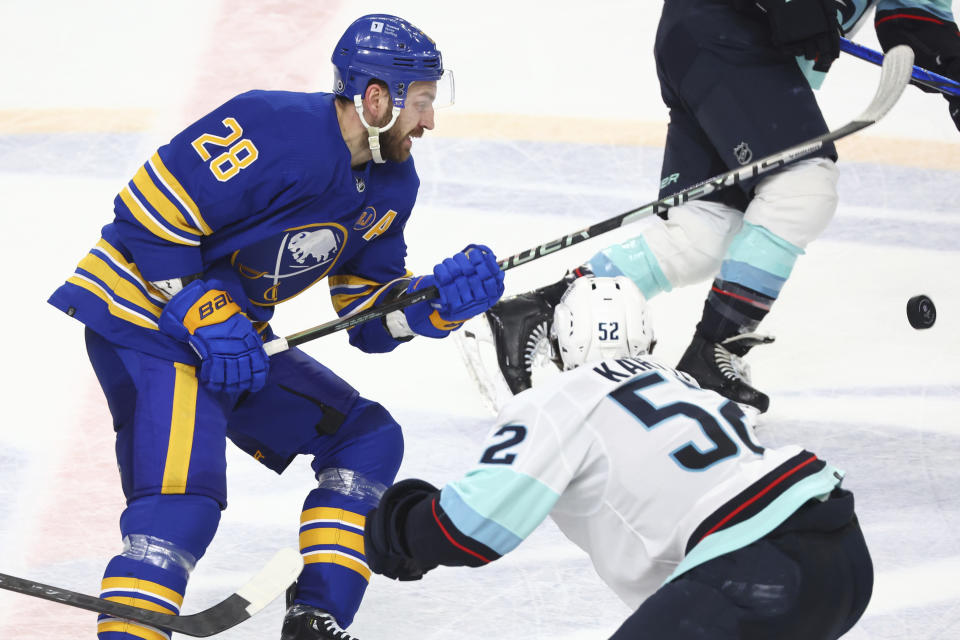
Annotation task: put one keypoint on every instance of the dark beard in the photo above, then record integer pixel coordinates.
(391, 145)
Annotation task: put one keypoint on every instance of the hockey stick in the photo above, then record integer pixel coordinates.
(895, 74)
(278, 574)
(919, 74)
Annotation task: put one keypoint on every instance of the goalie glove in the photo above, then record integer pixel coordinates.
(231, 352)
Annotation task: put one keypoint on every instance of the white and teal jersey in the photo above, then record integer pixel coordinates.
(939, 8)
(645, 471)
(852, 12)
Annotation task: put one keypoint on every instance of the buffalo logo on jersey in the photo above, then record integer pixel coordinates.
(743, 153)
(279, 268)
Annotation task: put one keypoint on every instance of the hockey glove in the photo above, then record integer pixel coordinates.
(384, 531)
(469, 283)
(231, 351)
(935, 43)
(808, 28)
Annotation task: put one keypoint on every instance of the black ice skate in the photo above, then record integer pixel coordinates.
(719, 367)
(304, 622)
(521, 326)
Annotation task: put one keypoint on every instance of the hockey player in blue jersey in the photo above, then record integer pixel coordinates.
(702, 531)
(247, 207)
(736, 93)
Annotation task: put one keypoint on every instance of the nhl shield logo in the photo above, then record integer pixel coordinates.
(743, 153)
(361, 184)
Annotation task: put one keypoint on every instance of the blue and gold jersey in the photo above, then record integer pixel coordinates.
(258, 196)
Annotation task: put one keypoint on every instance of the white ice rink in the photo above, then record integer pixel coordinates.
(558, 124)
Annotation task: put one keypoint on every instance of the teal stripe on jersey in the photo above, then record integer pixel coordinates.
(749, 531)
(757, 279)
(636, 260)
(763, 250)
(471, 523)
(939, 8)
(497, 507)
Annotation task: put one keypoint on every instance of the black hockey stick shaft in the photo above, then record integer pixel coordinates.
(895, 74)
(919, 75)
(266, 585)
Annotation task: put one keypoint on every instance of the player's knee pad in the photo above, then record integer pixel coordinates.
(169, 528)
(684, 249)
(371, 445)
(352, 484)
(798, 202)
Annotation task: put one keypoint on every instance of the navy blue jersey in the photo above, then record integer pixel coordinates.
(259, 197)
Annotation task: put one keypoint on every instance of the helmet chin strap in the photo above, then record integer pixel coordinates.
(373, 138)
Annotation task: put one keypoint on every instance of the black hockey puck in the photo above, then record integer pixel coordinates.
(920, 312)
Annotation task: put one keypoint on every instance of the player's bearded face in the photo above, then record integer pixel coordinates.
(416, 116)
(393, 142)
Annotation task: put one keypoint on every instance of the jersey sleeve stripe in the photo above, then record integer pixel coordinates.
(109, 253)
(140, 212)
(174, 187)
(342, 300)
(161, 203)
(113, 306)
(457, 545)
(482, 526)
(351, 281)
(344, 304)
(120, 286)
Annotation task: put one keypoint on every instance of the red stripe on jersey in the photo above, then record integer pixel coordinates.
(755, 303)
(758, 496)
(908, 16)
(433, 508)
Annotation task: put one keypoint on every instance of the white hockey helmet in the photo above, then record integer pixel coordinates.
(601, 318)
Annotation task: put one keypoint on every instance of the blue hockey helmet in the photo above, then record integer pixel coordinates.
(390, 49)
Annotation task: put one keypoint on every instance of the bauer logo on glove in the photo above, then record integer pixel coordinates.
(231, 352)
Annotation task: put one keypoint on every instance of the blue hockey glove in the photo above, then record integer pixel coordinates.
(231, 351)
(469, 283)
(385, 528)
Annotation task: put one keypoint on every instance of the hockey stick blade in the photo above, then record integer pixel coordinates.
(894, 75)
(919, 75)
(271, 581)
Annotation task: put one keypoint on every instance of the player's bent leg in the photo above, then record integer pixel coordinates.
(798, 202)
(788, 211)
(684, 249)
(163, 537)
(682, 610)
(354, 467)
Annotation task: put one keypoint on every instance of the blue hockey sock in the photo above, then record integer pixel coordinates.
(163, 537)
(751, 277)
(335, 573)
